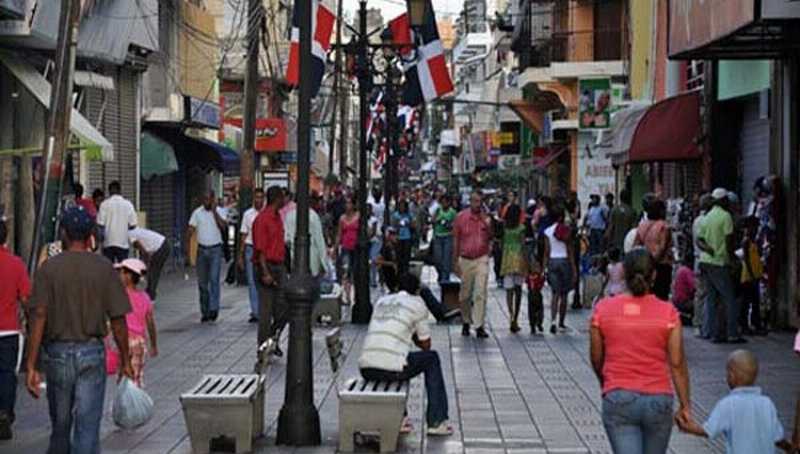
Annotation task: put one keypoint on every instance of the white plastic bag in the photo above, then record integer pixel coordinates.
(132, 406)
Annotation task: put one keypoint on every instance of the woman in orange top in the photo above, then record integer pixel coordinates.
(637, 355)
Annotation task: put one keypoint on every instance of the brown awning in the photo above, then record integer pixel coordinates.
(668, 131)
(526, 111)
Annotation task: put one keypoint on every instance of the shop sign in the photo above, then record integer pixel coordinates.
(696, 23)
(508, 162)
(594, 110)
(595, 170)
(280, 179)
(201, 112)
(271, 133)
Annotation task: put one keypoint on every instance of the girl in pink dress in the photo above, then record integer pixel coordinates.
(139, 319)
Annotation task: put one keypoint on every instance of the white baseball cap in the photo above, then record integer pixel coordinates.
(135, 266)
(719, 194)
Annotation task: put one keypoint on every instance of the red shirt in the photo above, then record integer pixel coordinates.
(268, 236)
(474, 234)
(635, 334)
(88, 206)
(14, 286)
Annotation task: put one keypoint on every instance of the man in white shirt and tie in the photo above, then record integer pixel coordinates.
(208, 224)
(115, 217)
(246, 250)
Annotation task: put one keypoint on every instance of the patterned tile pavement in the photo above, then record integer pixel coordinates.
(508, 394)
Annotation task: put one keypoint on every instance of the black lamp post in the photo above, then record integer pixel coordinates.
(298, 422)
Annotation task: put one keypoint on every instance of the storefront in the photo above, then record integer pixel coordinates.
(754, 120)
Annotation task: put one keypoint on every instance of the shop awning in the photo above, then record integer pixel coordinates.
(545, 162)
(198, 151)
(617, 141)
(668, 131)
(97, 147)
(528, 113)
(157, 157)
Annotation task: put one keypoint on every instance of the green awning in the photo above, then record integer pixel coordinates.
(157, 157)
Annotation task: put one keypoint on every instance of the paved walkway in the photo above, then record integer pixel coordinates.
(508, 394)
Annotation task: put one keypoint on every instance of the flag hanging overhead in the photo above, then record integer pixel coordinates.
(427, 75)
(321, 28)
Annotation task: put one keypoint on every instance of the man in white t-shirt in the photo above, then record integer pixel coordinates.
(246, 250)
(115, 217)
(378, 206)
(398, 321)
(153, 249)
(209, 226)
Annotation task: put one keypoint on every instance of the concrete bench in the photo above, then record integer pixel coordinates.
(329, 307)
(371, 407)
(227, 405)
(367, 407)
(450, 293)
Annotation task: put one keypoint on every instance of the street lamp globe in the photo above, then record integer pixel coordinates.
(416, 12)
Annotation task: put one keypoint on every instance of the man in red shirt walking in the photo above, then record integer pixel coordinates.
(15, 288)
(269, 254)
(472, 234)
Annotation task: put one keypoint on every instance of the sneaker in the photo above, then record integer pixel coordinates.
(277, 352)
(252, 319)
(553, 329)
(541, 328)
(204, 319)
(515, 328)
(442, 429)
(465, 330)
(214, 315)
(481, 333)
(562, 327)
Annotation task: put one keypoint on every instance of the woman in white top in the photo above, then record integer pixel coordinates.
(559, 264)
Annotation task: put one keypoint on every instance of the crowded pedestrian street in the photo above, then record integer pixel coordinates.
(510, 393)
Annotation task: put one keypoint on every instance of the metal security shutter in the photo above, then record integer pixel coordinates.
(159, 204)
(114, 112)
(754, 147)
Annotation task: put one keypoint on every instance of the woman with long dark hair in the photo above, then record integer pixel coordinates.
(637, 355)
(513, 267)
(655, 235)
(560, 266)
(346, 242)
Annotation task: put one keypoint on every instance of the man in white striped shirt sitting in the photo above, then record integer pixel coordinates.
(399, 321)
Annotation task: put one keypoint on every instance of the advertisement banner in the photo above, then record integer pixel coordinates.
(696, 23)
(594, 109)
(595, 170)
(271, 134)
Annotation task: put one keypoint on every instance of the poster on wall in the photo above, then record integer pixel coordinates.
(595, 170)
(594, 109)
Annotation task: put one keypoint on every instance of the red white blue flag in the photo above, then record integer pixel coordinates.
(322, 23)
(427, 75)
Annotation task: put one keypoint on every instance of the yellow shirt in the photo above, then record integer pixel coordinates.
(752, 257)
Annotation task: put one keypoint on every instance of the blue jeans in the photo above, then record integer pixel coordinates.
(596, 240)
(637, 423)
(426, 362)
(76, 387)
(443, 256)
(374, 252)
(209, 266)
(9, 351)
(720, 290)
(252, 290)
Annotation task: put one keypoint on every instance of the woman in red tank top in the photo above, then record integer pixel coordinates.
(346, 242)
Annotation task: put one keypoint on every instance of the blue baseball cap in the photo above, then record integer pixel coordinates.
(77, 223)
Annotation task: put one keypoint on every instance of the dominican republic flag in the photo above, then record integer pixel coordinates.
(427, 76)
(321, 26)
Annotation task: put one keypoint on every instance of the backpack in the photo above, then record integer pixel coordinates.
(562, 232)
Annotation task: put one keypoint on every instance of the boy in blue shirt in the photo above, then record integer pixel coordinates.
(747, 418)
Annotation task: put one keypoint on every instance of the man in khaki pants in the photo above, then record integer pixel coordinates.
(472, 233)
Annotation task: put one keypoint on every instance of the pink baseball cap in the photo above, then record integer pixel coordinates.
(133, 265)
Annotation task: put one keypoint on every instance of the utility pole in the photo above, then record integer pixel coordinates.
(336, 88)
(58, 127)
(362, 310)
(251, 85)
(344, 132)
(298, 422)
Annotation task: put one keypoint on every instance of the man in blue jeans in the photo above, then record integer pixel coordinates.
(715, 238)
(15, 288)
(246, 251)
(209, 226)
(397, 319)
(75, 295)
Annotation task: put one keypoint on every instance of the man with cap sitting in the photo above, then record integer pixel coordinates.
(74, 295)
(715, 239)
